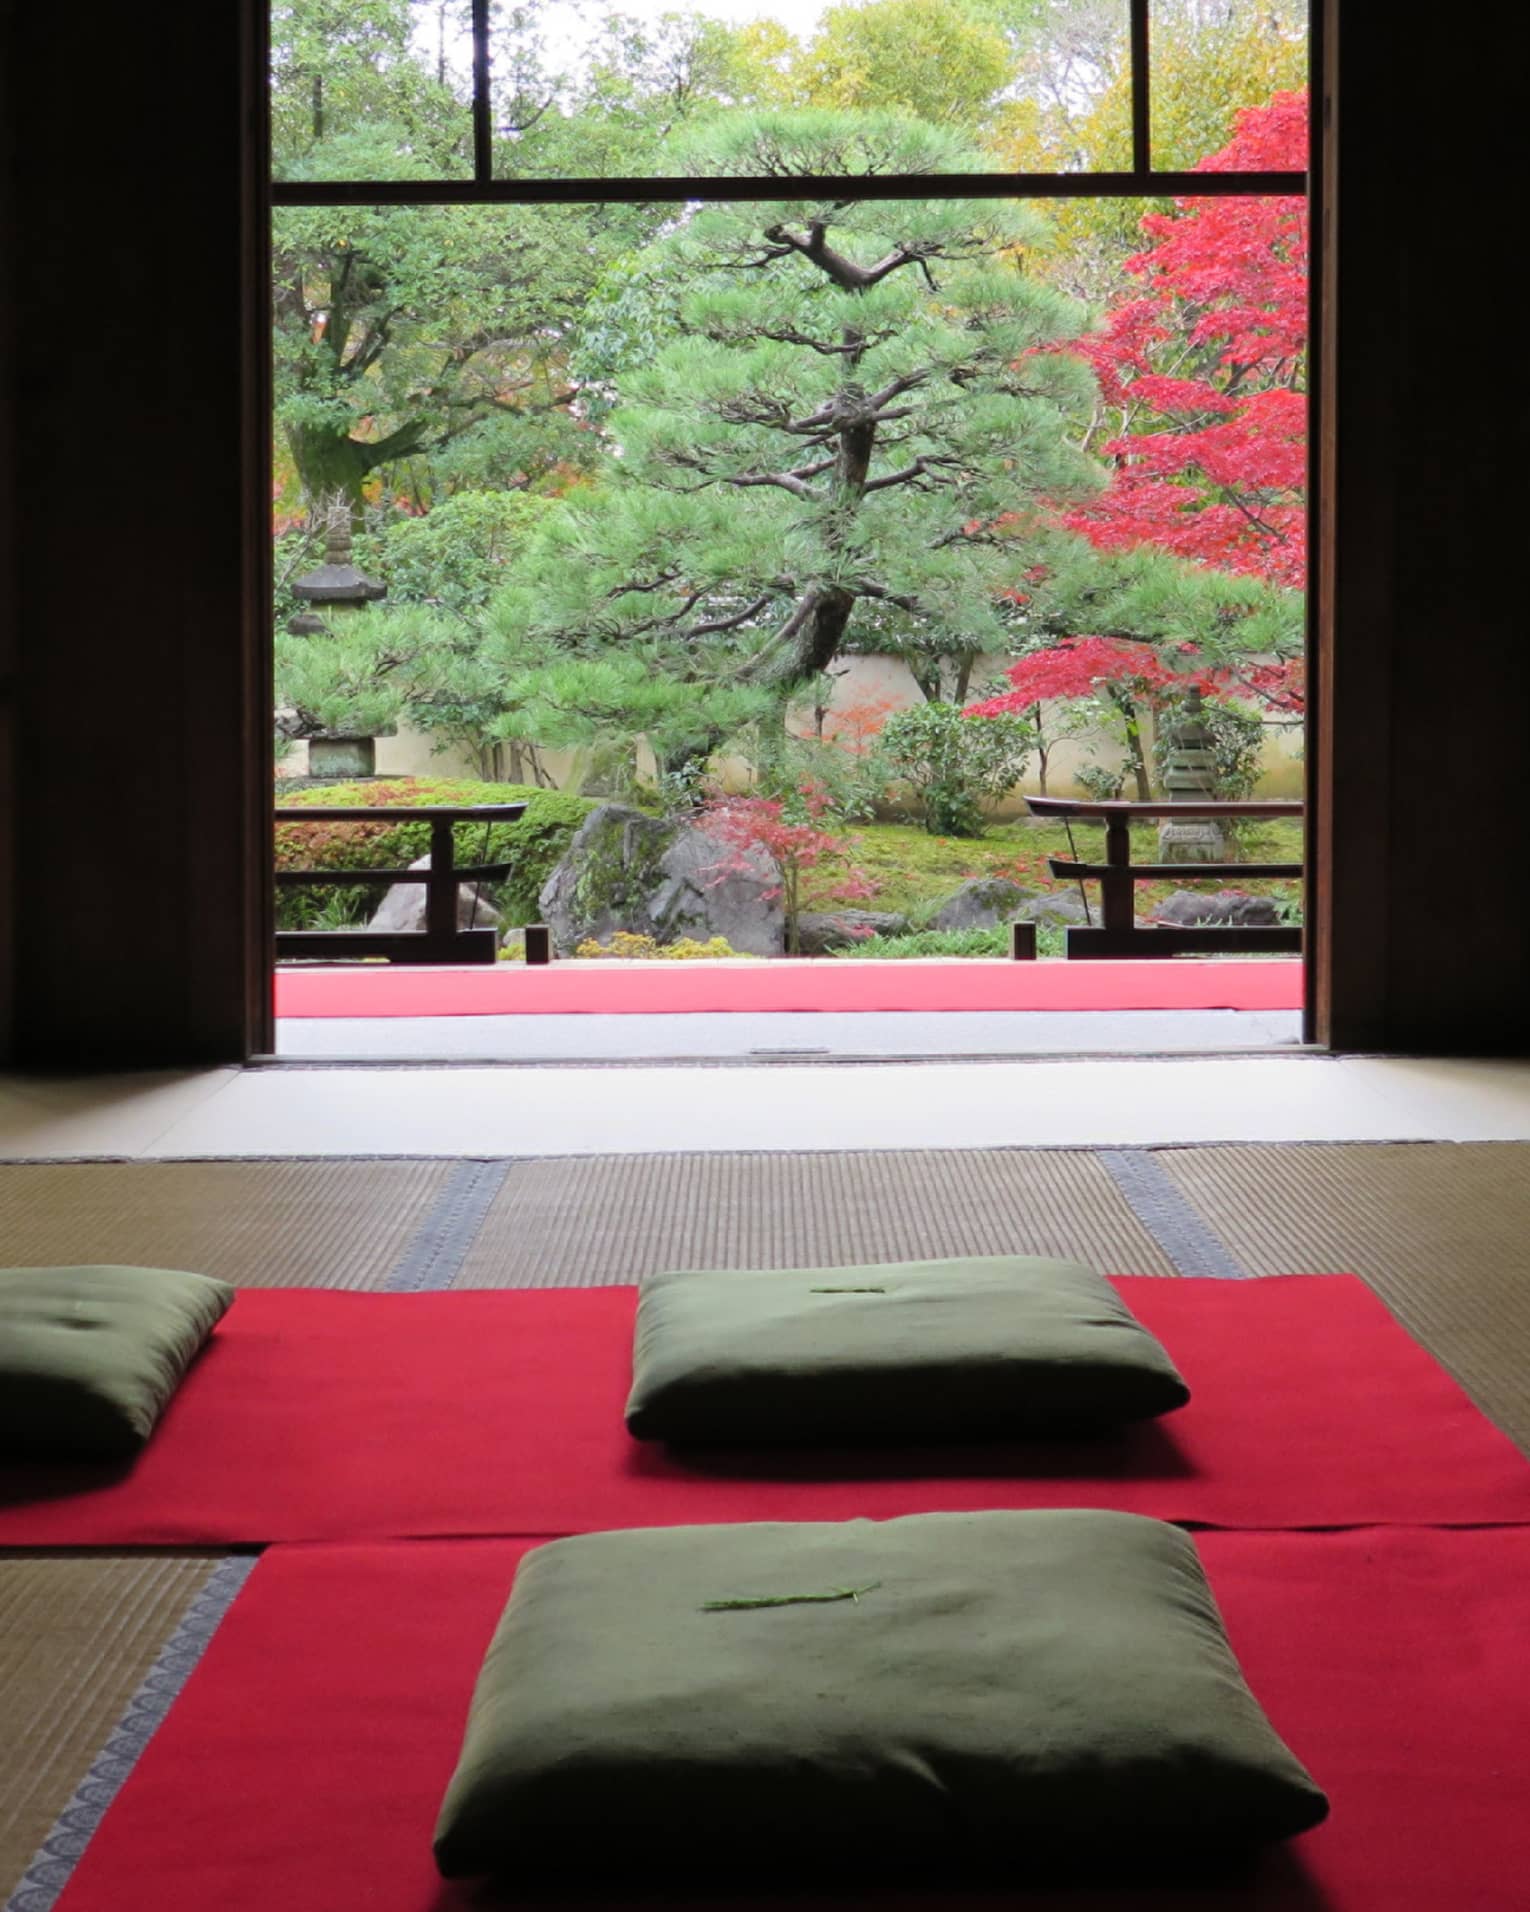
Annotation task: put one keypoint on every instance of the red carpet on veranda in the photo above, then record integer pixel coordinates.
(303, 1765)
(661, 988)
(328, 1416)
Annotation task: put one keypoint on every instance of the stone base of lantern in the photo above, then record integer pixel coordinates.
(1194, 840)
(342, 758)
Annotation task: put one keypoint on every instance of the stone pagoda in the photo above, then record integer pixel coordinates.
(1190, 777)
(344, 592)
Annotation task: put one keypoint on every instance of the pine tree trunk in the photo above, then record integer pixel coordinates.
(1137, 760)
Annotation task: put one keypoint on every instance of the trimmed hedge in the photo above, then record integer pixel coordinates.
(533, 843)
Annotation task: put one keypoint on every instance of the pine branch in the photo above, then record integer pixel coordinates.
(853, 348)
(921, 468)
(747, 615)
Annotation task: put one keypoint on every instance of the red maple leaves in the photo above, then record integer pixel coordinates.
(1205, 368)
(1078, 666)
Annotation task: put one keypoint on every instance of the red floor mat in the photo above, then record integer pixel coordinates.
(689, 988)
(318, 1415)
(303, 1765)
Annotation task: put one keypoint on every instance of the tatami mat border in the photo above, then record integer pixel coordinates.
(1189, 1240)
(49, 1872)
(441, 1243)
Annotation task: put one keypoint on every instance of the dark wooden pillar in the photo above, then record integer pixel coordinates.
(8, 552)
(1419, 754)
(137, 908)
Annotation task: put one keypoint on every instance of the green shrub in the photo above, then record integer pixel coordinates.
(930, 942)
(1050, 940)
(954, 764)
(532, 844)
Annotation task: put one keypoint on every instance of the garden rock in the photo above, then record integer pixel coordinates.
(627, 871)
(1189, 909)
(986, 902)
(402, 910)
(820, 931)
(1065, 907)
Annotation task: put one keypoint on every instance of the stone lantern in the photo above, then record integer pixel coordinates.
(1190, 777)
(344, 592)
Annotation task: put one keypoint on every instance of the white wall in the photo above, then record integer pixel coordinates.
(867, 687)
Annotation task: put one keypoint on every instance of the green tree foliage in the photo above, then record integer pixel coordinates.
(1072, 110)
(438, 337)
(954, 764)
(400, 329)
(456, 554)
(348, 75)
(859, 396)
(943, 61)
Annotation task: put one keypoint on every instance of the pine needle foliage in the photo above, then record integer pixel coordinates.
(860, 414)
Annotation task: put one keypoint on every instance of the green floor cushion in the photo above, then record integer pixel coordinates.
(908, 1351)
(1015, 1693)
(90, 1356)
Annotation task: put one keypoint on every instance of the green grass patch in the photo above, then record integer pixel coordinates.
(915, 873)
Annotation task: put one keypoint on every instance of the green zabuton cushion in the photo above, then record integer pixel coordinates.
(1010, 1691)
(909, 1351)
(90, 1356)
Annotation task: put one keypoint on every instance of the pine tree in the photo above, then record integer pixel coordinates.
(860, 424)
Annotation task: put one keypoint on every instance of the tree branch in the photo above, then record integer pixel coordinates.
(844, 273)
(730, 623)
(852, 348)
(863, 587)
(400, 443)
(921, 467)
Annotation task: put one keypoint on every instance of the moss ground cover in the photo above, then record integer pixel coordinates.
(914, 873)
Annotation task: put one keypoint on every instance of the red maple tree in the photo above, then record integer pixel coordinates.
(790, 831)
(1204, 369)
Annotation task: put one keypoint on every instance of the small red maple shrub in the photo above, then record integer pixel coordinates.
(790, 831)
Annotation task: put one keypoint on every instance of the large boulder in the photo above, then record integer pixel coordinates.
(985, 902)
(627, 871)
(1064, 907)
(403, 907)
(821, 931)
(1193, 909)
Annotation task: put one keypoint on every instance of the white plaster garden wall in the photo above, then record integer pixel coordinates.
(863, 683)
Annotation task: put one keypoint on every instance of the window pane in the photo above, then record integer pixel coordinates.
(648, 88)
(1211, 60)
(657, 491)
(371, 89)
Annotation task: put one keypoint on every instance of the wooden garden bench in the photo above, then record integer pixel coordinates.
(440, 941)
(1117, 934)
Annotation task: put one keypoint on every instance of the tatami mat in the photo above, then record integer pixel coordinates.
(77, 1636)
(1440, 1230)
(260, 1224)
(587, 1221)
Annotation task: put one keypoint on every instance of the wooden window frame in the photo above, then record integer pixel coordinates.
(1139, 181)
